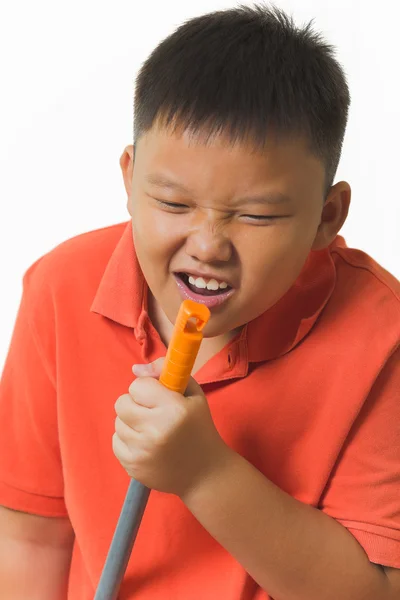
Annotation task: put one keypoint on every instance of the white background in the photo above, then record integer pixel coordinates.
(66, 85)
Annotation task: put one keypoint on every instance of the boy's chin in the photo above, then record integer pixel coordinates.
(214, 329)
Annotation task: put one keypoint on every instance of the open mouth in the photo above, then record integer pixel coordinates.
(207, 291)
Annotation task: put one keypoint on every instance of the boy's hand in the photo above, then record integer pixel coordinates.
(165, 440)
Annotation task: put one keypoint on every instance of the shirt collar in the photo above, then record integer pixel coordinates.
(122, 292)
(122, 288)
(282, 327)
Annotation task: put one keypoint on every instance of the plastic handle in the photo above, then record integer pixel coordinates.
(184, 345)
(181, 355)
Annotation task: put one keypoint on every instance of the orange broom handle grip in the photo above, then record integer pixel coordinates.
(184, 345)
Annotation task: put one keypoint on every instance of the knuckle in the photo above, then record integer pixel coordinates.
(135, 386)
(121, 403)
(180, 411)
(160, 438)
(125, 429)
(115, 445)
(121, 451)
(118, 428)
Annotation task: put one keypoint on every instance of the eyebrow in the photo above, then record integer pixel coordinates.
(266, 198)
(164, 182)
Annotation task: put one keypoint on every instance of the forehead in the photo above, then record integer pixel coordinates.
(202, 164)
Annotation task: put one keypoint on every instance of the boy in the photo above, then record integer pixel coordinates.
(279, 476)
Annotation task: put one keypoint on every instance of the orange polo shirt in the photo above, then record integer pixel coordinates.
(308, 393)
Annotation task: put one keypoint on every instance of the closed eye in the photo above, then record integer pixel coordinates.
(177, 207)
(261, 218)
(171, 205)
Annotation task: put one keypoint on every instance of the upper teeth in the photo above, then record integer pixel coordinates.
(212, 284)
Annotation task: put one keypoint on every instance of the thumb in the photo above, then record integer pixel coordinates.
(152, 369)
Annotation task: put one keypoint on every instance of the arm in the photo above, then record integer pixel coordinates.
(293, 551)
(297, 552)
(35, 555)
(35, 551)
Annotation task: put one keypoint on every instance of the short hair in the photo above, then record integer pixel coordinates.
(248, 72)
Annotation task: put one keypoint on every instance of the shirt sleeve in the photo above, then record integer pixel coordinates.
(363, 493)
(31, 478)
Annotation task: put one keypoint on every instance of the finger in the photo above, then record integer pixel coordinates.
(121, 450)
(130, 412)
(127, 433)
(152, 369)
(150, 393)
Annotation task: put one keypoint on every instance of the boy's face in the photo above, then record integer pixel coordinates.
(230, 214)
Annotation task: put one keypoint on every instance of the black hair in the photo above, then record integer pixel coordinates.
(247, 72)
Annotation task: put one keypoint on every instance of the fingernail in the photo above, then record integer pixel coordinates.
(141, 370)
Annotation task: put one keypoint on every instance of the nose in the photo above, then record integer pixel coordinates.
(207, 243)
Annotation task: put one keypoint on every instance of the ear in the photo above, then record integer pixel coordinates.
(334, 214)
(126, 163)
